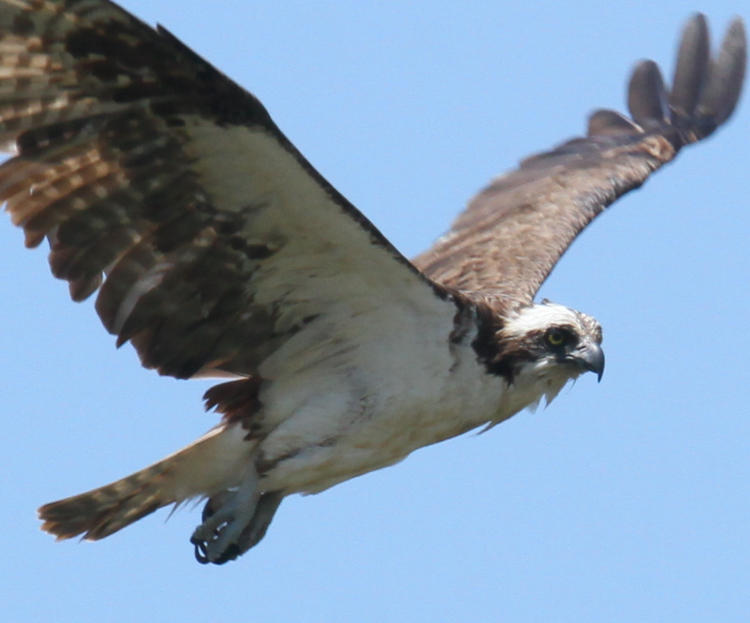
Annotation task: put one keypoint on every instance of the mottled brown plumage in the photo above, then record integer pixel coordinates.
(102, 115)
(216, 249)
(507, 241)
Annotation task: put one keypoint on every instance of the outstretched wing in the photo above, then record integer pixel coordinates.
(503, 246)
(166, 187)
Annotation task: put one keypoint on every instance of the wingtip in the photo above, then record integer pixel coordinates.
(705, 89)
(737, 25)
(727, 75)
(691, 67)
(647, 95)
(697, 21)
(734, 49)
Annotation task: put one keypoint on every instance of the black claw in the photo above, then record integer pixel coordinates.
(200, 552)
(251, 535)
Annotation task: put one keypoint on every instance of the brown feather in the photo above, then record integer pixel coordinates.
(513, 232)
(102, 112)
(238, 401)
(101, 512)
(202, 468)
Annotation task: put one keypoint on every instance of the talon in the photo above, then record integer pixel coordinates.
(201, 552)
(224, 535)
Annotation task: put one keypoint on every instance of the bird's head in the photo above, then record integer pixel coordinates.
(543, 346)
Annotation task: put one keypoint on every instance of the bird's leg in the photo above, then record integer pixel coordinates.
(225, 518)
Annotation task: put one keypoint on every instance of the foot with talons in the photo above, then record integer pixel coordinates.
(225, 533)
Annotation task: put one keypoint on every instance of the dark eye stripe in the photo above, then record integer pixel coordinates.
(560, 336)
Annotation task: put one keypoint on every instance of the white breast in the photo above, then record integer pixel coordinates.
(373, 406)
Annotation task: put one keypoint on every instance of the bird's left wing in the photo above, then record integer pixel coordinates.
(503, 246)
(168, 188)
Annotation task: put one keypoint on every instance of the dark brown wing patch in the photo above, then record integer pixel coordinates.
(503, 246)
(103, 112)
(94, 101)
(237, 401)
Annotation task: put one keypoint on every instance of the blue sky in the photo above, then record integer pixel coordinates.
(623, 501)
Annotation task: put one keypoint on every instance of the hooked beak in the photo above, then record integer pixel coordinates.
(588, 356)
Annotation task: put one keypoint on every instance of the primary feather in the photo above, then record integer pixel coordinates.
(215, 248)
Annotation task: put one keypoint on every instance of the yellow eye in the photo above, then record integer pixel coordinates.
(555, 337)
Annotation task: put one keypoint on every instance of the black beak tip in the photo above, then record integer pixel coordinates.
(595, 363)
(591, 358)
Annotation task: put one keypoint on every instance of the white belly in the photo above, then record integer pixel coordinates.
(363, 420)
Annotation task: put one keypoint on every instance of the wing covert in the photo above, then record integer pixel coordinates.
(165, 186)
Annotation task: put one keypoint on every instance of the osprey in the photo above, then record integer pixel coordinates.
(216, 249)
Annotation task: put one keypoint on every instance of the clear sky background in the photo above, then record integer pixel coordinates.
(624, 501)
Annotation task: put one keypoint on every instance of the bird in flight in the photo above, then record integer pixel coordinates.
(217, 250)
